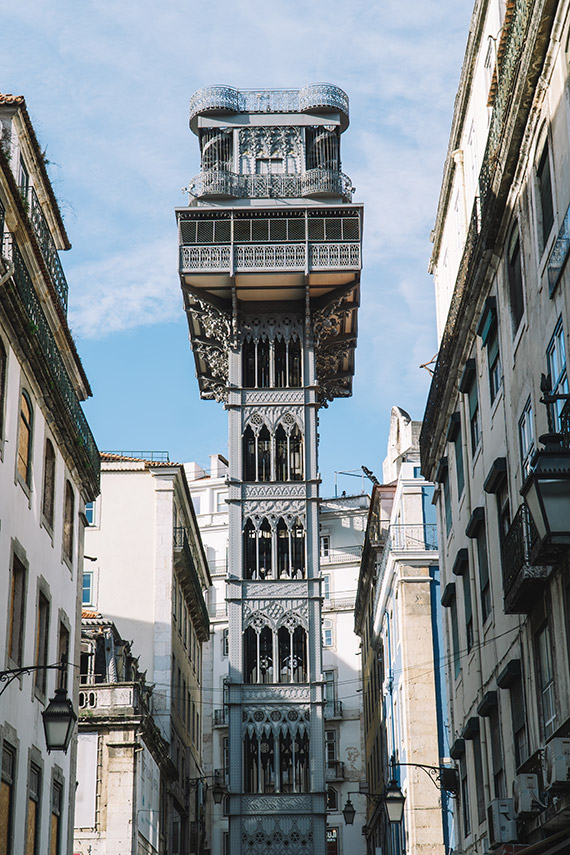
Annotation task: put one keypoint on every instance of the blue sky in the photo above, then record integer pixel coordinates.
(107, 85)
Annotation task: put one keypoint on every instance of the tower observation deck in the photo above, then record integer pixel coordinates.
(270, 259)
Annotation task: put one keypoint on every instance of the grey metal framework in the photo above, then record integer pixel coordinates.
(270, 258)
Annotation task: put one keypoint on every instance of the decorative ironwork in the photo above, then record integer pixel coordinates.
(221, 717)
(227, 99)
(198, 607)
(222, 182)
(41, 333)
(521, 579)
(47, 246)
(482, 224)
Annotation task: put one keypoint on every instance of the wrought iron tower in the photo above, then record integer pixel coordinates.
(270, 258)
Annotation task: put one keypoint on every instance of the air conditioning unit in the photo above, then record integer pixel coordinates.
(526, 798)
(557, 764)
(502, 826)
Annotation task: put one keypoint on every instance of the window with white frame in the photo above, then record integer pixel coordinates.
(545, 210)
(327, 587)
(556, 361)
(526, 437)
(325, 545)
(328, 638)
(225, 642)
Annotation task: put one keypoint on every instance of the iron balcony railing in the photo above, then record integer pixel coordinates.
(414, 537)
(41, 333)
(313, 182)
(523, 577)
(221, 717)
(227, 99)
(333, 709)
(334, 770)
(266, 256)
(199, 608)
(341, 556)
(46, 243)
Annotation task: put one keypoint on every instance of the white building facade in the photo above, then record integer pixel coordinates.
(270, 268)
(500, 247)
(147, 574)
(49, 469)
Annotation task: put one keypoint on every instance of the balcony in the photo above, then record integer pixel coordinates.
(184, 559)
(342, 556)
(221, 183)
(414, 538)
(104, 700)
(46, 244)
(333, 709)
(59, 383)
(334, 770)
(522, 581)
(225, 99)
(221, 717)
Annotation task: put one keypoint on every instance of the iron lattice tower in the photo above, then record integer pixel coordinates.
(270, 259)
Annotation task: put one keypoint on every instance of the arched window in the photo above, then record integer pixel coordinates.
(281, 453)
(280, 362)
(68, 520)
(263, 376)
(264, 539)
(264, 455)
(283, 567)
(294, 362)
(249, 467)
(292, 645)
(298, 551)
(332, 799)
(294, 762)
(25, 439)
(3, 371)
(258, 654)
(249, 551)
(49, 483)
(248, 364)
(259, 763)
(296, 455)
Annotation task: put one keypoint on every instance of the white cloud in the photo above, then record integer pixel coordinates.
(135, 288)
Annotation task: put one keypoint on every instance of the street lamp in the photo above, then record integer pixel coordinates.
(59, 719)
(394, 802)
(349, 812)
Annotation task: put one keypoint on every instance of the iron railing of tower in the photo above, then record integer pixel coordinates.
(40, 332)
(290, 256)
(46, 243)
(482, 222)
(228, 99)
(180, 542)
(222, 182)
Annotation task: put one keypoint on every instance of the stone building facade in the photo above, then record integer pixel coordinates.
(397, 617)
(49, 469)
(270, 256)
(500, 247)
(147, 572)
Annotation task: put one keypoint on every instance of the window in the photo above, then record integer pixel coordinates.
(332, 841)
(497, 753)
(221, 502)
(503, 510)
(87, 594)
(25, 439)
(49, 483)
(68, 520)
(325, 545)
(196, 503)
(33, 820)
(17, 611)
(327, 632)
(518, 719)
(459, 468)
(483, 561)
(90, 513)
(448, 601)
(330, 691)
(7, 788)
(479, 779)
(24, 179)
(55, 826)
(556, 363)
(330, 749)
(327, 587)
(543, 647)
(446, 500)
(465, 809)
(526, 437)
(332, 799)
(515, 280)
(474, 418)
(3, 373)
(42, 630)
(225, 642)
(491, 342)
(468, 608)
(544, 183)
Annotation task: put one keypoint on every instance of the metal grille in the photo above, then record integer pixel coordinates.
(47, 245)
(205, 257)
(39, 329)
(276, 256)
(326, 255)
